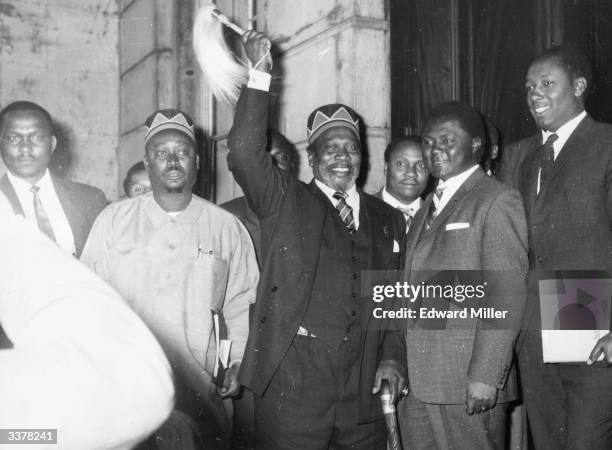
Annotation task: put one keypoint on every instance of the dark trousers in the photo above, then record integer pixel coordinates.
(568, 406)
(312, 401)
(426, 426)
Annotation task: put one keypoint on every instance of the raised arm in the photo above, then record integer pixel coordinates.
(263, 183)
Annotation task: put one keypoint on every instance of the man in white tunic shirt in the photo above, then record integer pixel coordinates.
(174, 257)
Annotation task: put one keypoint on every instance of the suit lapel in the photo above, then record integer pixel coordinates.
(577, 141)
(77, 220)
(416, 231)
(529, 179)
(310, 219)
(454, 201)
(7, 189)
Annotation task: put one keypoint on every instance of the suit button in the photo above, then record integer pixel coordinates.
(353, 312)
(348, 330)
(283, 248)
(354, 295)
(262, 320)
(274, 288)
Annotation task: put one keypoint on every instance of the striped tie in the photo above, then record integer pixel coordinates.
(346, 212)
(434, 206)
(41, 215)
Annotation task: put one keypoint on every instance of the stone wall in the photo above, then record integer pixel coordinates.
(326, 52)
(63, 55)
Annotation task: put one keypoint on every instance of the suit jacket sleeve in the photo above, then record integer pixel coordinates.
(509, 166)
(263, 183)
(82, 361)
(394, 342)
(243, 276)
(504, 258)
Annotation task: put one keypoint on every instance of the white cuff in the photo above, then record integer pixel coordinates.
(259, 80)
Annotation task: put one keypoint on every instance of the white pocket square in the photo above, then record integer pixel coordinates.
(456, 226)
(395, 246)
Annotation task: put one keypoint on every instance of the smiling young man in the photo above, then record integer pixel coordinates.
(314, 357)
(565, 176)
(471, 228)
(406, 176)
(174, 257)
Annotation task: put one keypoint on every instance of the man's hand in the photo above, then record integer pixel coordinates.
(231, 387)
(395, 374)
(603, 346)
(479, 397)
(257, 48)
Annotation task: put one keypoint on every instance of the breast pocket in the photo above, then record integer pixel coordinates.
(209, 276)
(128, 274)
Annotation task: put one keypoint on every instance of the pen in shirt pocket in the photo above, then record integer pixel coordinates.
(201, 252)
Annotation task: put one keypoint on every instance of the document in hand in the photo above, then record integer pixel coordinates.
(223, 346)
(575, 314)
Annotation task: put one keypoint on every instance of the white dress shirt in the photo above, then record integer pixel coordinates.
(50, 201)
(563, 134)
(450, 187)
(395, 203)
(352, 200)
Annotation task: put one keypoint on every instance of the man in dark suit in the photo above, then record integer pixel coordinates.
(470, 235)
(406, 176)
(283, 155)
(565, 176)
(63, 210)
(315, 358)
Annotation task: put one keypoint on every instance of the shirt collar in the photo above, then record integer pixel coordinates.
(159, 217)
(394, 202)
(329, 192)
(22, 185)
(452, 185)
(564, 132)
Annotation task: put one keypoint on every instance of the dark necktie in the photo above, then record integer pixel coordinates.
(345, 211)
(547, 160)
(434, 209)
(41, 215)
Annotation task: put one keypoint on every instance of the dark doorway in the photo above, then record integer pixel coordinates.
(478, 51)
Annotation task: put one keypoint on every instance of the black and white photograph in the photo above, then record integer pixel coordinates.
(306, 224)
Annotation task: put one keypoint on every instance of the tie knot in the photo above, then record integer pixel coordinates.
(439, 191)
(339, 195)
(406, 210)
(34, 189)
(551, 139)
